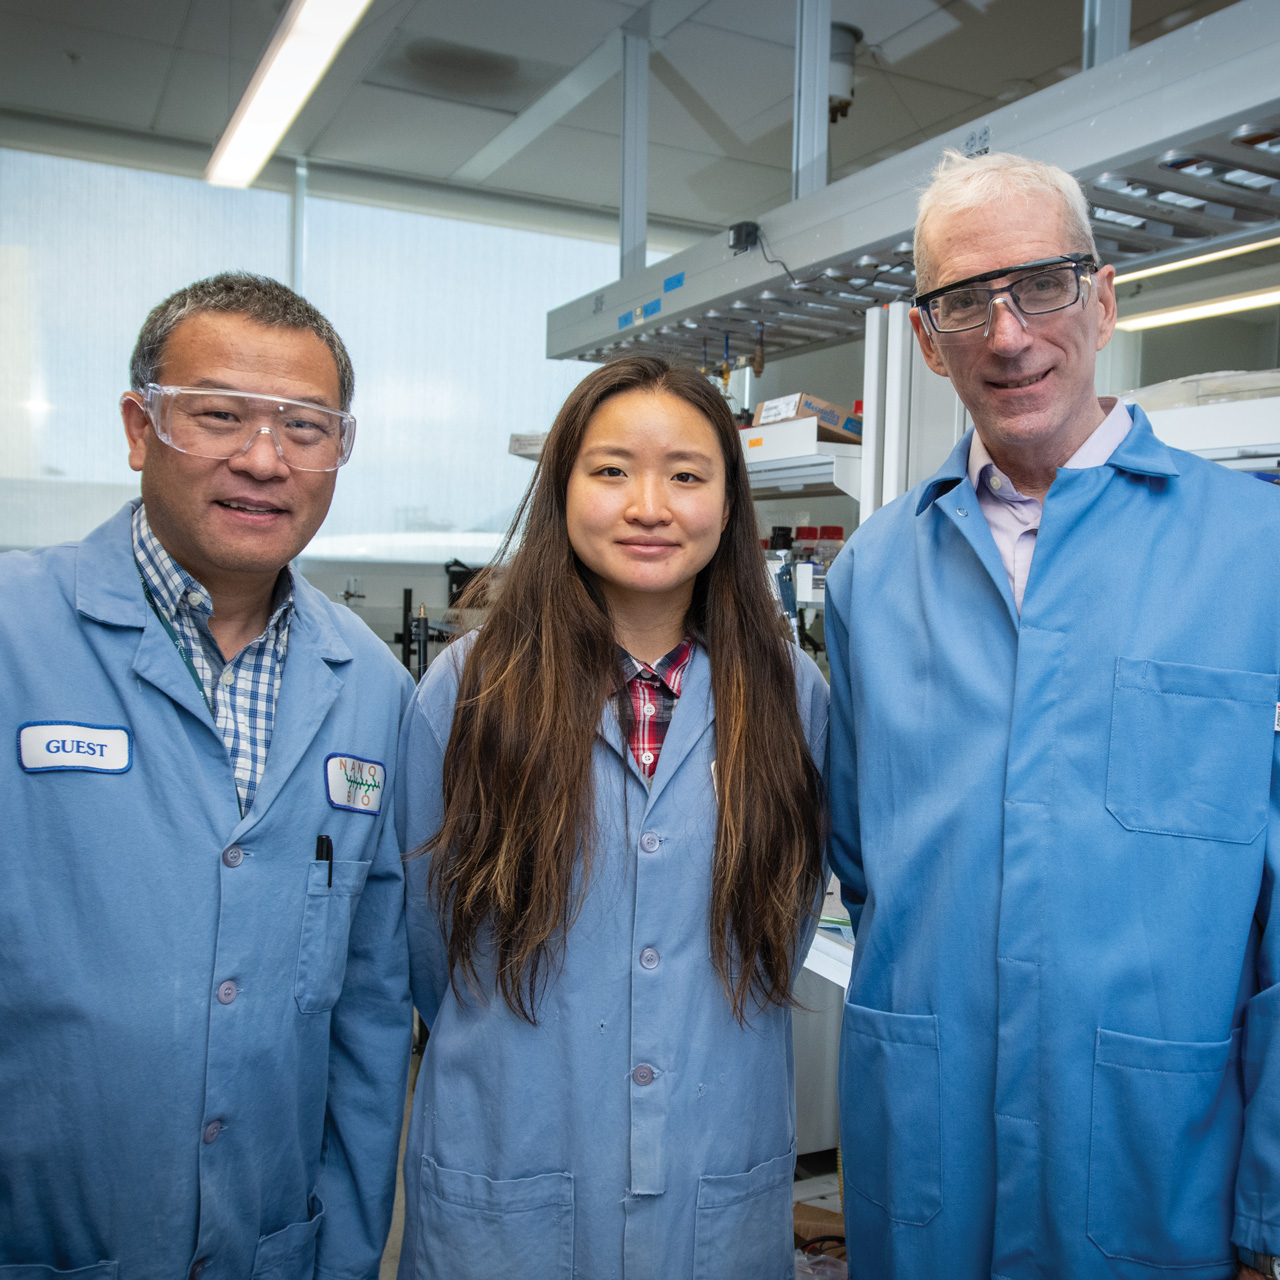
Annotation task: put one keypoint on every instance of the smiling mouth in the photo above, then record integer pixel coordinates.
(252, 508)
(1021, 382)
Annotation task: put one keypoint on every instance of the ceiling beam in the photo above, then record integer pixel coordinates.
(596, 69)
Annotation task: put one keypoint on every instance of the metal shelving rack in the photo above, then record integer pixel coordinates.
(1177, 144)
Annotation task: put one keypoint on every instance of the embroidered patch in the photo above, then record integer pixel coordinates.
(47, 745)
(354, 783)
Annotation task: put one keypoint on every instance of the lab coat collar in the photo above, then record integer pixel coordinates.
(107, 585)
(1139, 452)
(950, 474)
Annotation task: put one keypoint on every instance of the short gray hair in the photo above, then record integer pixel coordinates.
(239, 293)
(969, 182)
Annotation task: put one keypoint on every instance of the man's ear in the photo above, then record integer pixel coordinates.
(927, 347)
(1104, 285)
(136, 423)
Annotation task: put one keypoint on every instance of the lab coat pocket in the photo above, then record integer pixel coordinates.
(1191, 750)
(891, 1087)
(289, 1254)
(1168, 1120)
(33, 1271)
(326, 929)
(473, 1228)
(743, 1228)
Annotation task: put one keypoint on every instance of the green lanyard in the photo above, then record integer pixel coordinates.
(177, 644)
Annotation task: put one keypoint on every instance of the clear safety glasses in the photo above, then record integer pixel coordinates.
(1041, 288)
(220, 424)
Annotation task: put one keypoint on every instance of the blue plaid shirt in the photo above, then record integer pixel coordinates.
(241, 693)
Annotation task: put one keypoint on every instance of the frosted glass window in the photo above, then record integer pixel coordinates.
(446, 322)
(449, 348)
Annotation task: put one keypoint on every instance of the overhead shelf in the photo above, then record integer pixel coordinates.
(1176, 143)
(833, 470)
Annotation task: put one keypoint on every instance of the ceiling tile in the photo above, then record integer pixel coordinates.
(157, 21)
(69, 71)
(406, 133)
(559, 31)
(200, 95)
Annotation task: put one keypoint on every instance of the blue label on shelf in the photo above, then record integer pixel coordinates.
(652, 308)
(673, 282)
(625, 320)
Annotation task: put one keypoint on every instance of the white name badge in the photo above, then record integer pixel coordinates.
(45, 745)
(354, 783)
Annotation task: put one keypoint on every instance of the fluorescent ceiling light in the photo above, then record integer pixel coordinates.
(1202, 310)
(305, 43)
(1195, 262)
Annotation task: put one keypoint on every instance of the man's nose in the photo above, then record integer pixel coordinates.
(260, 457)
(1006, 330)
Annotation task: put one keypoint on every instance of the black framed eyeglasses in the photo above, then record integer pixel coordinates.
(1042, 287)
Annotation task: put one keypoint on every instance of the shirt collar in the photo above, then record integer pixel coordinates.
(670, 668)
(174, 589)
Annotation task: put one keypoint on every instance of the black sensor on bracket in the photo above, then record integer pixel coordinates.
(744, 236)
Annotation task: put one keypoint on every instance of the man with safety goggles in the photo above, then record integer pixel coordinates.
(1055, 794)
(205, 1015)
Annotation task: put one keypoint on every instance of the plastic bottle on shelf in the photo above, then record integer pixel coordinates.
(829, 543)
(806, 540)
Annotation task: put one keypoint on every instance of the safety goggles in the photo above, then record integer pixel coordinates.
(1041, 288)
(213, 423)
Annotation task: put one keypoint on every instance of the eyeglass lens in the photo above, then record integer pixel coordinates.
(1035, 294)
(220, 424)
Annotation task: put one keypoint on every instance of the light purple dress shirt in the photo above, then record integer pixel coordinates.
(1012, 517)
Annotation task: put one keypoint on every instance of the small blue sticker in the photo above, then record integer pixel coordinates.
(652, 308)
(673, 282)
(624, 321)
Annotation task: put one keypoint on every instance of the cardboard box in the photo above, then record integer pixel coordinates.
(835, 422)
(796, 438)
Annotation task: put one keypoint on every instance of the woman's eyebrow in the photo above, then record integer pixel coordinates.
(673, 455)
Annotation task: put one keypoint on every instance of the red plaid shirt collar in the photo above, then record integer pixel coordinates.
(654, 689)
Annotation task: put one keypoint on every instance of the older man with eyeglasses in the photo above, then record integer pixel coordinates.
(204, 1009)
(1055, 800)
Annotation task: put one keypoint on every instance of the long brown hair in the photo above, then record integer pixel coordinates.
(518, 800)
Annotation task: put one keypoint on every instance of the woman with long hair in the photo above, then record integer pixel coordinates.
(614, 787)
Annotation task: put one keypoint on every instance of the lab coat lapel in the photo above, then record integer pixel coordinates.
(694, 716)
(315, 670)
(611, 731)
(109, 591)
(951, 491)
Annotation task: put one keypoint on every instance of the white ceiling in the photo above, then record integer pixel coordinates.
(422, 85)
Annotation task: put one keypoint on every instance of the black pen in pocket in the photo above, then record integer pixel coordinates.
(324, 853)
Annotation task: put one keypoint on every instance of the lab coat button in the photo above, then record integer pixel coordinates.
(227, 992)
(649, 958)
(197, 1269)
(232, 857)
(643, 1074)
(649, 842)
(211, 1131)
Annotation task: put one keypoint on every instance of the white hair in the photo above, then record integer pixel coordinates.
(965, 182)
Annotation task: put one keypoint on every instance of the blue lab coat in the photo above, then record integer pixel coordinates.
(1058, 837)
(156, 1122)
(537, 1151)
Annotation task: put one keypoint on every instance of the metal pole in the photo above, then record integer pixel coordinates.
(1106, 31)
(809, 121)
(897, 398)
(299, 223)
(633, 213)
(871, 488)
